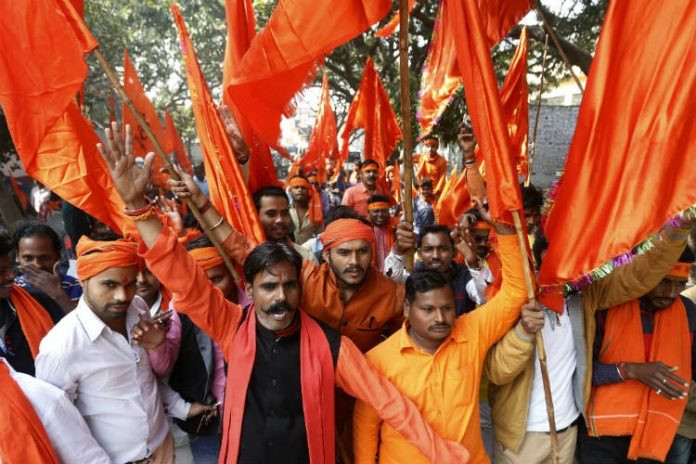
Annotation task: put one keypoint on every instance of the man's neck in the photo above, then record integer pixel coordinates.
(370, 189)
(428, 346)
(348, 291)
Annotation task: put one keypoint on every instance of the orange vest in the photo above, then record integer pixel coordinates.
(631, 407)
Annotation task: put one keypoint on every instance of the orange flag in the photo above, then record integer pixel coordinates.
(440, 77)
(228, 190)
(323, 143)
(141, 143)
(241, 29)
(372, 111)
(453, 202)
(396, 184)
(389, 28)
(463, 19)
(630, 165)
(43, 44)
(287, 51)
(175, 144)
(514, 98)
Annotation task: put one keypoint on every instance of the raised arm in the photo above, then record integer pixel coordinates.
(193, 294)
(355, 376)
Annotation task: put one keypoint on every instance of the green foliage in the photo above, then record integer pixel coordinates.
(146, 28)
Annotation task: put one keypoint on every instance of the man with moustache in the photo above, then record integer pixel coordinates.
(279, 408)
(436, 360)
(89, 355)
(356, 197)
(25, 315)
(382, 224)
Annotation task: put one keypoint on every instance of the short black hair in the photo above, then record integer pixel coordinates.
(5, 243)
(368, 162)
(198, 242)
(342, 212)
(269, 254)
(269, 191)
(426, 181)
(423, 281)
(34, 229)
(378, 198)
(532, 197)
(431, 137)
(434, 229)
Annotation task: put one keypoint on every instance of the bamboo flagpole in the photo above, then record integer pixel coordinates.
(539, 339)
(532, 150)
(406, 119)
(159, 151)
(557, 44)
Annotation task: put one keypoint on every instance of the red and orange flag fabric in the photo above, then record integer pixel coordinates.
(396, 184)
(440, 77)
(453, 202)
(628, 168)
(175, 144)
(371, 110)
(464, 20)
(323, 142)
(287, 51)
(241, 29)
(228, 190)
(43, 44)
(141, 143)
(514, 97)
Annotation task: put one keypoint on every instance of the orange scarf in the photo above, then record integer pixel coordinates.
(22, 435)
(631, 407)
(317, 378)
(33, 318)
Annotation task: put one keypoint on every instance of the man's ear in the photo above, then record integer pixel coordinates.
(407, 308)
(249, 289)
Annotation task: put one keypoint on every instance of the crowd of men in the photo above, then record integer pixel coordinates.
(323, 344)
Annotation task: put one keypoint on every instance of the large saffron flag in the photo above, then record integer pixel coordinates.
(323, 143)
(42, 44)
(514, 97)
(453, 202)
(175, 144)
(630, 164)
(440, 77)
(141, 142)
(480, 88)
(228, 190)
(287, 51)
(241, 29)
(371, 110)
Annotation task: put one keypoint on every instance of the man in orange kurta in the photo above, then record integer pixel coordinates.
(436, 360)
(433, 165)
(275, 326)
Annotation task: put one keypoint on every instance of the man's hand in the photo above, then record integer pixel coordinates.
(234, 134)
(405, 238)
(532, 317)
(148, 334)
(130, 180)
(658, 376)
(168, 208)
(199, 408)
(465, 245)
(467, 142)
(49, 283)
(187, 188)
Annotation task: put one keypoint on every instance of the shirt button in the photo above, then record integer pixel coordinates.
(274, 382)
(274, 351)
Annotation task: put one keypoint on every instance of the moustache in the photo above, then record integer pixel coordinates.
(278, 308)
(439, 326)
(353, 269)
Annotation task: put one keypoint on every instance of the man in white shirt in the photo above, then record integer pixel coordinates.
(90, 357)
(64, 426)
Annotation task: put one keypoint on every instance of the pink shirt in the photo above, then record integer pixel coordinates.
(163, 357)
(356, 197)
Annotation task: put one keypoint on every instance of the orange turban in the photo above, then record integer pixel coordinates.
(206, 257)
(299, 182)
(316, 215)
(94, 257)
(345, 230)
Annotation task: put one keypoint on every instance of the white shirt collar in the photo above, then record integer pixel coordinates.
(156, 305)
(94, 326)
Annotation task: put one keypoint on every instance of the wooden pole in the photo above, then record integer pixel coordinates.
(159, 151)
(406, 119)
(558, 46)
(539, 340)
(532, 150)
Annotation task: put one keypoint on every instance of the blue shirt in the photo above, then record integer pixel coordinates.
(71, 286)
(423, 214)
